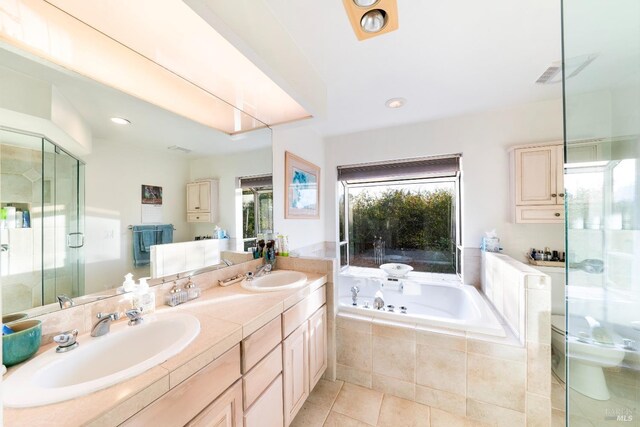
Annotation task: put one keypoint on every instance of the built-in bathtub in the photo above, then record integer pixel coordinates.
(437, 300)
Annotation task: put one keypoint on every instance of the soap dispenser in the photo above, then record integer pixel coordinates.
(193, 291)
(143, 297)
(129, 284)
(176, 296)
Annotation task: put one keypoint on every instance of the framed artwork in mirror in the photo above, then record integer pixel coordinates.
(302, 188)
(151, 195)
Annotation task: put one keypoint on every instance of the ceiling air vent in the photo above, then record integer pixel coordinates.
(178, 148)
(572, 67)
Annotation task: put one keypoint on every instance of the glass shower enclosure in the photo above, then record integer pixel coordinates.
(601, 77)
(41, 222)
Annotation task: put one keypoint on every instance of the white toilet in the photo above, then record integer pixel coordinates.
(586, 359)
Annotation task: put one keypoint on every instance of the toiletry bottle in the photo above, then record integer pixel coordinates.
(129, 284)
(284, 250)
(193, 291)
(19, 219)
(143, 297)
(547, 254)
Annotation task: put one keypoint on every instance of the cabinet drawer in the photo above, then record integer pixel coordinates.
(260, 343)
(261, 375)
(540, 214)
(267, 411)
(181, 404)
(199, 217)
(300, 312)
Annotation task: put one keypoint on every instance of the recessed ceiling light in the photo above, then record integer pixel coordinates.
(365, 3)
(395, 102)
(373, 21)
(120, 121)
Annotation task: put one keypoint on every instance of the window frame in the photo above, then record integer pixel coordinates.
(257, 191)
(343, 211)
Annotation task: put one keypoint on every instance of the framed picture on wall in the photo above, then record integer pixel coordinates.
(302, 188)
(151, 195)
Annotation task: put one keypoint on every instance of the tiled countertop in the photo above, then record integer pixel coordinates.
(226, 315)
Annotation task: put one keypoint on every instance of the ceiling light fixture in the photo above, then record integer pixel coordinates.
(370, 18)
(395, 102)
(365, 3)
(120, 121)
(373, 21)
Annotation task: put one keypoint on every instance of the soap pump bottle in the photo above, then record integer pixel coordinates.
(129, 284)
(143, 297)
(193, 291)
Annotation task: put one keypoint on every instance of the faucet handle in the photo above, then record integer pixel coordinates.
(135, 316)
(66, 341)
(112, 316)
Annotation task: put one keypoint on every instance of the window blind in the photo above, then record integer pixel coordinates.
(256, 181)
(435, 167)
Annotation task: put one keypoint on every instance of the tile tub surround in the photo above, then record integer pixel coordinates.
(226, 315)
(497, 381)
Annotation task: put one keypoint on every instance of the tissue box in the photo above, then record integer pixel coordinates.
(490, 244)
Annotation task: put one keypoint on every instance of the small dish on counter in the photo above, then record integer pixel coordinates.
(394, 269)
(23, 343)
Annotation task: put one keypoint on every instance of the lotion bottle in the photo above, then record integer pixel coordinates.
(143, 297)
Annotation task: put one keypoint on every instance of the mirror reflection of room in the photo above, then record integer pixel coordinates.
(184, 193)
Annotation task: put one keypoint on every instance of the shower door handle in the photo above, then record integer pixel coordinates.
(76, 246)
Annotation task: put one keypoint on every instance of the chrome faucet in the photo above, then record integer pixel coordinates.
(135, 316)
(103, 325)
(66, 341)
(263, 269)
(65, 301)
(354, 295)
(378, 302)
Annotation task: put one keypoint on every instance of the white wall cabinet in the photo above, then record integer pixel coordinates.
(538, 183)
(202, 201)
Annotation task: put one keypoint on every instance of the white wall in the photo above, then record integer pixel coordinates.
(483, 140)
(114, 175)
(226, 169)
(304, 141)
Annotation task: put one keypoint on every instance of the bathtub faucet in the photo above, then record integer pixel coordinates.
(378, 302)
(354, 295)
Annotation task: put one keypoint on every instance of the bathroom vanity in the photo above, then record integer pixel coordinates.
(254, 362)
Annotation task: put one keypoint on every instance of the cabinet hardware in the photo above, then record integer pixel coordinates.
(554, 195)
(557, 214)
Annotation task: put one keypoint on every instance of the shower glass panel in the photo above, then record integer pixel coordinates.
(601, 78)
(42, 255)
(21, 180)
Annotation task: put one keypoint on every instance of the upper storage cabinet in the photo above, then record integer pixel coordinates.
(538, 185)
(202, 201)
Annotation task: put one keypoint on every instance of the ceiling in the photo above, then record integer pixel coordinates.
(151, 127)
(447, 58)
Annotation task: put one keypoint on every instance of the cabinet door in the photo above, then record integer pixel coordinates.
(296, 371)
(204, 190)
(317, 346)
(560, 174)
(536, 171)
(193, 197)
(225, 411)
(267, 410)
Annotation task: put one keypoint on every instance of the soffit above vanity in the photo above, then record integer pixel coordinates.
(167, 56)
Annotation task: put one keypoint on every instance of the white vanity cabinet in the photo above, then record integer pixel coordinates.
(304, 350)
(537, 179)
(202, 201)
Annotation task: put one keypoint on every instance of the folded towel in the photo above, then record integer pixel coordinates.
(165, 234)
(144, 236)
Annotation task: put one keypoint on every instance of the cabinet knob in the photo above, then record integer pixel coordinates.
(199, 217)
(557, 214)
(561, 194)
(197, 207)
(554, 195)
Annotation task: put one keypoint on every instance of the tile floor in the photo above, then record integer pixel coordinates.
(339, 404)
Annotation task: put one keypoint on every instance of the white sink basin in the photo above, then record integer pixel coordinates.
(99, 362)
(279, 280)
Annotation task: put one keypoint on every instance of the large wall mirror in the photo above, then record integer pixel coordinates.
(73, 220)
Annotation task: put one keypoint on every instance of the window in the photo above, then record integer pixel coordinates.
(257, 208)
(406, 212)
